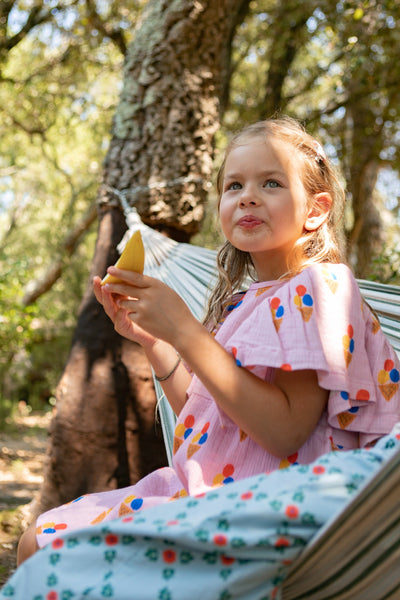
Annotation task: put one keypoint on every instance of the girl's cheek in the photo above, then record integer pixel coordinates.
(223, 217)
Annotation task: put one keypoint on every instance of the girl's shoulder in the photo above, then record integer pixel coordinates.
(326, 287)
(234, 301)
(334, 277)
(318, 275)
(323, 271)
(326, 283)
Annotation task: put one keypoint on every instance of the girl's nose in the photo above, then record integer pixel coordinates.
(248, 197)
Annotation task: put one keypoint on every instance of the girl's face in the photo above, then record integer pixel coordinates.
(263, 206)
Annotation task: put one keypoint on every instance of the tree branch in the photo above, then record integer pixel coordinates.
(115, 34)
(37, 288)
(37, 16)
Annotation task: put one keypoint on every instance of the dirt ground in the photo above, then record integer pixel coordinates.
(22, 456)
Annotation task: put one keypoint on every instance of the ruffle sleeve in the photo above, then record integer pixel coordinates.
(318, 320)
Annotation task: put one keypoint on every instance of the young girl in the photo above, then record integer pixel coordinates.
(280, 374)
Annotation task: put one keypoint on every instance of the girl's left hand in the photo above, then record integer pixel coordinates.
(151, 304)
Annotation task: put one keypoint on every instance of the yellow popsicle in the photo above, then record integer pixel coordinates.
(131, 259)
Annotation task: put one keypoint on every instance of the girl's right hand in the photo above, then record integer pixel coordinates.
(161, 355)
(120, 317)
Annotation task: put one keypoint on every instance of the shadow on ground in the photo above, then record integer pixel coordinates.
(22, 457)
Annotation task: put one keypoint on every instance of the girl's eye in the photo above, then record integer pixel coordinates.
(235, 185)
(271, 183)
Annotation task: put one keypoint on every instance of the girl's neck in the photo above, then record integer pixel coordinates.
(271, 271)
(272, 266)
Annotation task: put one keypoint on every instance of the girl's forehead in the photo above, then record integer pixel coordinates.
(270, 147)
(271, 143)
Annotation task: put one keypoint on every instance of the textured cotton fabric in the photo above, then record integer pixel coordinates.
(234, 543)
(316, 320)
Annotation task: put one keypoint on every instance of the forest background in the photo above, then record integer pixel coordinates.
(67, 82)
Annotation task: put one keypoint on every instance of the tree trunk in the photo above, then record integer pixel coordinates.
(365, 236)
(289, 36)
(103, 433)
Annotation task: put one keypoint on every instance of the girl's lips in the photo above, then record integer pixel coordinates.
(249, 221)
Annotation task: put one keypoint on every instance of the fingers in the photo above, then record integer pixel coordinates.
(105, 297)
(130, 277)
(119, 306)
(121, 289)
(122, 323)
(130, 284)
(129, 306)
(109, 304)
(97, 289)
(133, 304)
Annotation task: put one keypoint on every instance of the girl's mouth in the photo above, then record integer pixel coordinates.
(248, 222)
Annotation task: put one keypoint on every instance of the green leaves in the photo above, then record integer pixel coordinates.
(333, 64)
(58, 93)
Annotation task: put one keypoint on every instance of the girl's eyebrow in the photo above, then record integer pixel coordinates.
(268, 173)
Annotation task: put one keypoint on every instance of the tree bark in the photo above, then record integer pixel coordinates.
(169, 111)
(103, 433)
(289, 36)
(365, 236)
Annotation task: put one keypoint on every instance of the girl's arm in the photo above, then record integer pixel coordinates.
(163, 359)
(161, 355)
(280, 416)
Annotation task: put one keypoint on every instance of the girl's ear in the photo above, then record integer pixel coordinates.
(319, 211)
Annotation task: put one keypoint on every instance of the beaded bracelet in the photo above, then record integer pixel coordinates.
(174, 368)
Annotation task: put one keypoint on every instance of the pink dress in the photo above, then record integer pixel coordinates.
(316, 320)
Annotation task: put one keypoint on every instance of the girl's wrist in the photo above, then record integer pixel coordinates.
(170, 372)
(162, 357)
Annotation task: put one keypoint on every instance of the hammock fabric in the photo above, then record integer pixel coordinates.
(237, 542)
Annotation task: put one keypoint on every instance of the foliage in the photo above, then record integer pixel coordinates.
(16, 332)
(337, 71)
(59, 87)
(332, 64)
(386, 266)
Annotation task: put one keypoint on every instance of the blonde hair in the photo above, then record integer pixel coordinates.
(320, 245)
